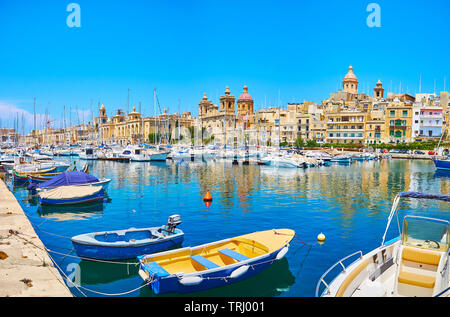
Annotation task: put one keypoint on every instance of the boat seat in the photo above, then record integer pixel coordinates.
(234, 255)
(416, 279)
(421, 256)
(156, 269)
(205, 262)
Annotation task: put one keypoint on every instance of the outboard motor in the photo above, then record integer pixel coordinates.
(172, 223)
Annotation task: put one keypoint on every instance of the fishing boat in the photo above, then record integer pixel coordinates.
(23, 176)
(128, 243)
(71, 178)
(40, 178)
(71, 195)
(43, 177)
(413, 264)
(442, 164)
(214, 264)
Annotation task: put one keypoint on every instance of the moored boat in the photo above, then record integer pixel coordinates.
(71, 178)
(71, 195)
(442, 164)
(414, 264)
(128, 243)
(214, 264)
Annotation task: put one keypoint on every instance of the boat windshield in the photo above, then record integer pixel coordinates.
(426, 233)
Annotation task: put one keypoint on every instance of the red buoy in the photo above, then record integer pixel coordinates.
(207, 197)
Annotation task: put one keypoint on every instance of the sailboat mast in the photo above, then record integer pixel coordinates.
(34, 122)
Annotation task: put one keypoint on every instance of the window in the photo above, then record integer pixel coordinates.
(405, 113)
(392, 113)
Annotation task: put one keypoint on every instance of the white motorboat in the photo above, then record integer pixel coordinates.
(88, 154)
(284, 161)
(414, 264)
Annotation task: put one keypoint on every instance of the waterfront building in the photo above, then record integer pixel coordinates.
(398, 122)
(345, 126)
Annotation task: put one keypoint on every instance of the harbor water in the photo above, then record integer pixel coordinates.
(349, 204)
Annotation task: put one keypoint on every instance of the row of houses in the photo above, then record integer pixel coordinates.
(347, 116)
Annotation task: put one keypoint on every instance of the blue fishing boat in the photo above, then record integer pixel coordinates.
(442, 164)
(129, 243)
(214, 264)
(71, 178)
(71, 195)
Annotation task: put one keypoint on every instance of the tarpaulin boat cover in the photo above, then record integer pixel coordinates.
(70, 192)
(69, 178)
(424, 195)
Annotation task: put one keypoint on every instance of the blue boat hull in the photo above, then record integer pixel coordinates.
(82, 200)
(122, 253)
(442, 164)
(171, 284)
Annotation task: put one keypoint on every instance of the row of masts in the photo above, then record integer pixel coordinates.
(160, 124)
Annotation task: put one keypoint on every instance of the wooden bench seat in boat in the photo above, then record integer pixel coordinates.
(156, 269)
(234, 255)
(205, 262)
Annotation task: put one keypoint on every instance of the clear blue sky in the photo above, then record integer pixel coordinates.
(185, 48)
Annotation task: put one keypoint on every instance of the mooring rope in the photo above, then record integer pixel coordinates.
(73, 256)
(151, 280)
(295, 236)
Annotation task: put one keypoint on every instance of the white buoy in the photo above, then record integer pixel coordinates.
(282, 253)
(191, 280)
(239, 271)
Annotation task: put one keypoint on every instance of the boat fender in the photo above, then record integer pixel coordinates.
(191, 280)
(282, 253)
(239, 271)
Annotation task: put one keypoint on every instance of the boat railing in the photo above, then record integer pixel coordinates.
(322, 278)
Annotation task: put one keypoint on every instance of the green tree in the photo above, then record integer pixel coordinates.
(312, 143)
(299, 142)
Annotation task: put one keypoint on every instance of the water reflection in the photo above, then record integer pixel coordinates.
(348, 203)
(71, 212)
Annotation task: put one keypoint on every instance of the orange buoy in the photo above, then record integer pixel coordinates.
(207, 197)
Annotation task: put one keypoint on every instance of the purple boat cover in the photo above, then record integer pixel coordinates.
(69, 178)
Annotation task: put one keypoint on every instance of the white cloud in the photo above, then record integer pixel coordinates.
(10, 112)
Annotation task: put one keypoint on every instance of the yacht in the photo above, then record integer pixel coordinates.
(413, 264)
(88, 154)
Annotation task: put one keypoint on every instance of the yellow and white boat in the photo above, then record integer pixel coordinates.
(214, 264)
(415, 264)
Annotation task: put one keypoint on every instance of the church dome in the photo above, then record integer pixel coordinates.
(245, 96)
(350, 75)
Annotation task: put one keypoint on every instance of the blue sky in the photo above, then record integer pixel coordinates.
(301, 49)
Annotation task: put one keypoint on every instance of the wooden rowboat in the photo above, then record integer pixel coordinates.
(214, 264)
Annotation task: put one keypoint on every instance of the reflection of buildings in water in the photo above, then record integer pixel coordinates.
(421, 180)
(444, 181)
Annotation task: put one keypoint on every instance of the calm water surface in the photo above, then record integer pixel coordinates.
(348, 203)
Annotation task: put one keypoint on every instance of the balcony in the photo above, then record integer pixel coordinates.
(398, 124)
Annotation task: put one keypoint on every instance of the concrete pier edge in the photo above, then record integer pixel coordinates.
(26, 269)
